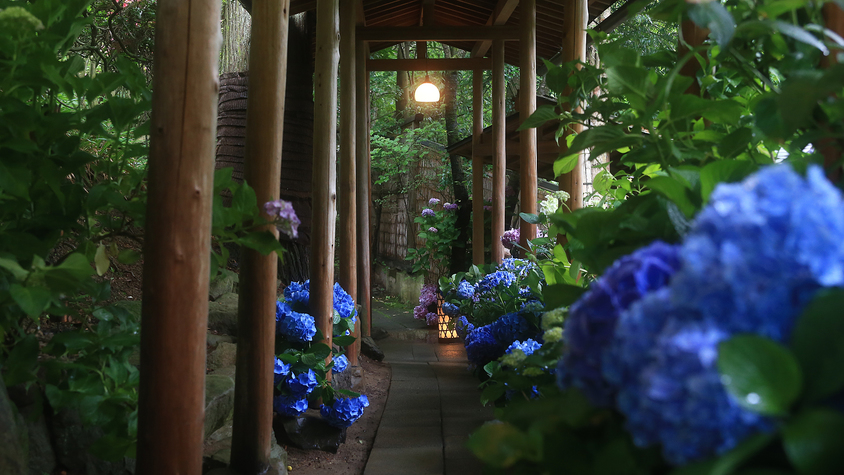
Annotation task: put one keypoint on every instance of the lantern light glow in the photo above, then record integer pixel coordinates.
(426, 92)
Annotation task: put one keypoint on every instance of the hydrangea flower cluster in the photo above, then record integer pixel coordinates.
(295, 326)
(284, 217)
(495, 281)
(343, 303)
(463, 327)
(433, 202)
(343, 412)
(751, 261)
(510, 238)
(465, 290)
(428, 212)
(426, 310)
(528, 347)
(489, 342)
(433, 230)
(450, 206)
(293, 399)
(340, 363)
(450, 309)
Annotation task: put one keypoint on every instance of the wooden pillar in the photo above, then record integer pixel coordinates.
(574, 48)
(171, 403)
(693, 36)
(499, 151)
(364, 295)
(829, 147)
(348, 188)
(253, 407)
(324, 170)
(477, 168)
(527, 105)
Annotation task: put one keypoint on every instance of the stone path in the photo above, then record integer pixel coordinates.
(433, 405)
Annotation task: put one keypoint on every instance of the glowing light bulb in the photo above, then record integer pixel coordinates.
(426, 92)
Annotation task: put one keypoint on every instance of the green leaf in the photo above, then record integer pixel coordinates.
(262, 241)
(32, 300)
(565, 164)
(501, 444)
(319, 350)
(101, 260)
(20, 364)
(778, 7)
(675, 191)
(799, 34)
(735, 142)
(817, 344)
(714, 16)
(344, 340)
(530, 218)
(128, 256)
(541, 115)
(720, 111)
(111, 447)
(723, 171)
(813, 442)
(561, 295)
(759, 374)
(12, 266)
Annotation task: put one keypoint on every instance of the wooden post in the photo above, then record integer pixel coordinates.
(253, 407)
(324, 171)
(527, 105)
(693, 36)
(171, 403)
(499, 151)
(574, 48)
(348, 188)
(363, 297)
(477, 168)
(831, 147)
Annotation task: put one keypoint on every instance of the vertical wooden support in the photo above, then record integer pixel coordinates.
(363, 297)
(477, 168)
(171, 402)
(253, 413)
(348, 188)
(324, 170)
(830, 147)
(693, 36)
(527, 105)
(499, 151)
(574, 48)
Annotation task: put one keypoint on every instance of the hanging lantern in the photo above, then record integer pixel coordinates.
(444, 333)
(426, 92)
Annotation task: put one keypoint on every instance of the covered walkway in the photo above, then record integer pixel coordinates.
(433, 405)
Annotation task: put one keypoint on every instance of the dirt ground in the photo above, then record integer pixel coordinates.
(351, 458)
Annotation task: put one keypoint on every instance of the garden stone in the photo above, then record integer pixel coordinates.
(229, 371)
(213, 340)
(42, 458)
(224, 355)
(370, 349)
(309, 432)
(222, 314)
(218, 454)
(224, 283)
(379, 333)
(71, 443)
(219, 401)
(351, 379)
(12, 436)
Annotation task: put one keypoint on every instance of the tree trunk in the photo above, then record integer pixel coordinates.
(236, 26)
(459, 251)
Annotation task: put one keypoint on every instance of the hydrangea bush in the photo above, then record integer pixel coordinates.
(300, 369)
(438, 233)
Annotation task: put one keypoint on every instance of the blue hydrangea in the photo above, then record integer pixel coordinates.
(528, 346)
(496, 281)
(297, 295)
(519, 267)
(343, 302)
(482, 347)
(290, 406)
(302, 384)
(340, 363)
(463, 327)
(511, 327)
(591, 323)
(465, 290)
(294, 326)
(344, 412)
(280, 371)
(450, 309)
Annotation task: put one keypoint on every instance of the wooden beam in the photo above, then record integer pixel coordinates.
(527, 105)
(437, 33)
(477, 168)
(364, 296)
(500, 15)
(348, 187)
(171, 402)
(253, 406)
(499, 157)
(433, 64)
(574, 47)
(324, 179)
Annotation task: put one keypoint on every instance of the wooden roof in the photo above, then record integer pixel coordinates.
(467, 13)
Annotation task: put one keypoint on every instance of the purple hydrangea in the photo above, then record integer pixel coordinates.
(450, 206)
(294, 326)
(431, 319)
(487, 208)
(284, 216)
(428, 295)
(433, 202)
(302, 384)
(280, 371)
(344, 412)
(465, 290)
(419, 312)
(450, 309)
(528, 346)
(433, 230)
(428, 212)
(340, 363)
(591, 323)
(290, 406)
(510, 238)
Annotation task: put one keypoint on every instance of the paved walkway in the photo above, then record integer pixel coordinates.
(433, 404)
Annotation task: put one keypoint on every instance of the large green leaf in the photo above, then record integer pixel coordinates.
(723, 171)
(715, 17)
(675, 191)
(262, 241)
(759, 374)
(814, 442)
(32, 300)
(542, 115)
(501, 444)
(566, 164)
(561, 295)
(719, 111)
(817, 344)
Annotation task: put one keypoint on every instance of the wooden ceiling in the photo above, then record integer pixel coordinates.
(467, 13)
